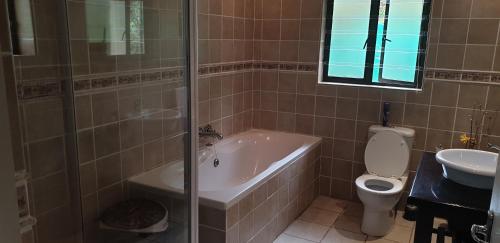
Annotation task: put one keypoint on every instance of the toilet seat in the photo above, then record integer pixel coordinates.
(387, 155)
(362, 181)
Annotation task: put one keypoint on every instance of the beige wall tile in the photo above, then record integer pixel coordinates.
(456, 9)
(324, 126)
(450, 56)
(104, 108)
(485, 9)
(441, 117)
(106, 139)
(453, 31)
(47, 157)
(479, 57)
(444, 94)
(130, 133)
(50, 192)
(88, 178)
(132, 162)
(108, 171)
(304, 124)
(482, 31)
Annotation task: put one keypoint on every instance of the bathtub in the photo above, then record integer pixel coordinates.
(247, 161)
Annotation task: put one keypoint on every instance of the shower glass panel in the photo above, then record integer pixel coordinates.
(104, 100)
(40, 105)
(131, 98)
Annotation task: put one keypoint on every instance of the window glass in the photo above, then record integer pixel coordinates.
(401, 47)
(348, 39)
(376, 42)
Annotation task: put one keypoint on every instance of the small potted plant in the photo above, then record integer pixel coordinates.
(480, 122)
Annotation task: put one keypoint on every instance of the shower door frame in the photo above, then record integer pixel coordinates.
(9, 226)
(192, 65)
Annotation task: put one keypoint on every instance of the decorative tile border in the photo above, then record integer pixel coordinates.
(82, 84)
(48, 88)
(464, 76)
(39, 88)
(213, 69)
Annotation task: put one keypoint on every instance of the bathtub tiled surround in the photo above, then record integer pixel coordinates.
(267, 210)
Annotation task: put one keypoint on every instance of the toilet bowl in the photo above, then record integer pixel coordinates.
(379, 196)
(380, 188)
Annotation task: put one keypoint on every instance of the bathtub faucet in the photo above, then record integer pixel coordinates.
(209, 131)
(495, 147)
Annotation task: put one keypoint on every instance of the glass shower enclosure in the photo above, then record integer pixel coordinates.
(99, 92)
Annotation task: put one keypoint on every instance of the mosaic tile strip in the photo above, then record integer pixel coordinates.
(106, 82)
(467, 76)
(47, 88)
(148, 77)
(222, 68)
(476, 77)
(129, 79)
(79, 85)
(40, 88)
(170, 75)
(495, 78)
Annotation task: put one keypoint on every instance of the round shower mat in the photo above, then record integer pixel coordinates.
(136, 215)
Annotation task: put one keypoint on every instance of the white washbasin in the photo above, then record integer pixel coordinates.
(474, 168)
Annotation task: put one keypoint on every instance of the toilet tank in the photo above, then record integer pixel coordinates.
(407, 133)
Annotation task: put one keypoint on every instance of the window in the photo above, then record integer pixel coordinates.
(118, 25)
(376, 42)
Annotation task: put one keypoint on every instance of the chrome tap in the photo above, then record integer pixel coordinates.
(495, 147)
(209, 131)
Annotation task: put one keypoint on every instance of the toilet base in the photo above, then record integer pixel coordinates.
(376, 222)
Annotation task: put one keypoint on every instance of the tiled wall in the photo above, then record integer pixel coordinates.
(225, 45)
(266, 211)
(41, 120)
(130, 108)
(462, 69)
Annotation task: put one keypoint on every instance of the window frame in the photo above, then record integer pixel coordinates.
(367, 80)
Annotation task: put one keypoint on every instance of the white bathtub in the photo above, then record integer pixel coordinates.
(247, 160)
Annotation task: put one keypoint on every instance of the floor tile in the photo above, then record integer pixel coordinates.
(284, 238)
(336, 221)
(439, 221)
(378, 240)
(348, 223)
(341, 236)
(403, 222)
(354, 209)
(434, 239)
(306, 230)
(328, 203)
(319, 216)
(400, 234)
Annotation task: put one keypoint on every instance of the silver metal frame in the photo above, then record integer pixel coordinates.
(9, 221)
(193, 74)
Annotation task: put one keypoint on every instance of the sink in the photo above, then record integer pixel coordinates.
(474, 168)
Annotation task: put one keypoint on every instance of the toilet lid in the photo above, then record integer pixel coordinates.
(387, 154)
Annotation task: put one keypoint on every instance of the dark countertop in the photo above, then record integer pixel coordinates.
(431, 189)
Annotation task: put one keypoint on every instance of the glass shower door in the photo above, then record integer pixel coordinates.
(131, 90)
(99, 100)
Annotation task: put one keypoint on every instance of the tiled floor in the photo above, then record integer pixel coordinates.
(335, 221)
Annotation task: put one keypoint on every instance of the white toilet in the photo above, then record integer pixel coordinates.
(387, 156)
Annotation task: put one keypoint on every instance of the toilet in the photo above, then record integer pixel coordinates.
(387, 156)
